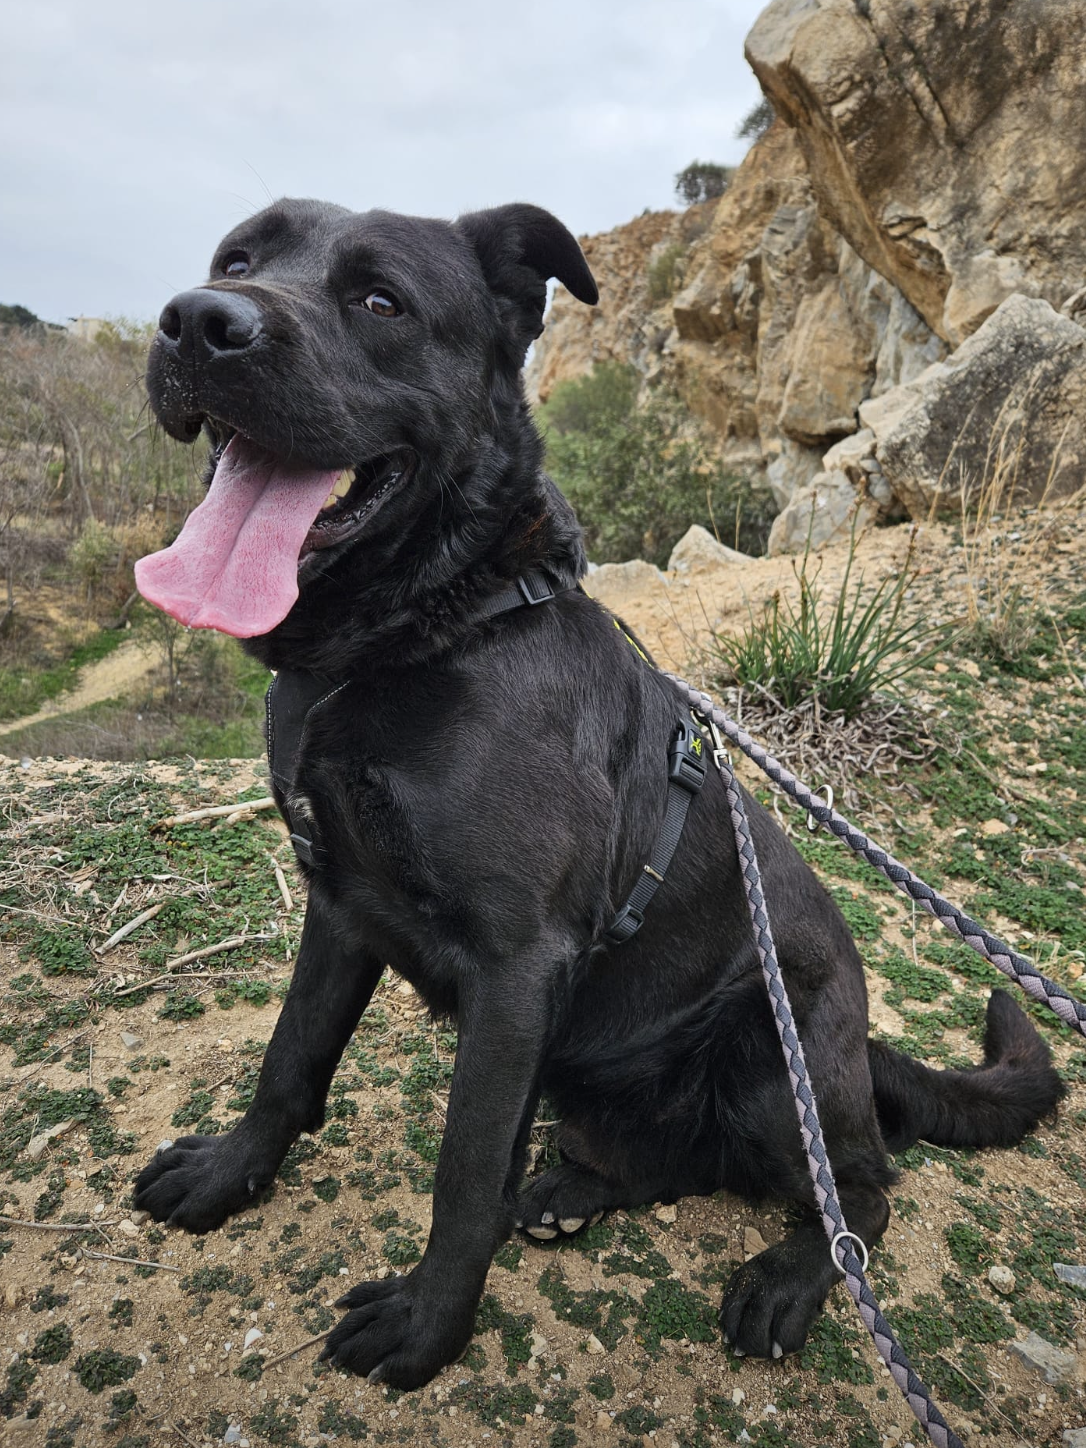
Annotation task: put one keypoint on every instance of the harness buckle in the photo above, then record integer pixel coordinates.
(627, 922)
(686, 767)
(303, 848)
(524, 584)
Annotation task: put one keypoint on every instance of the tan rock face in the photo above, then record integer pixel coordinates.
(946, 142)
(776, 330)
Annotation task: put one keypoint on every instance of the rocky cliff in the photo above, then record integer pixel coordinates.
(923, 185)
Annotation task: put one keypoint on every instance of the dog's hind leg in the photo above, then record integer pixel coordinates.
(571, 1196)
(201, 1180)
(771, 1301)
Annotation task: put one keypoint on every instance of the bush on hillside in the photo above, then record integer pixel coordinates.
(701, 181)
(665, 272)
(756, 122)
(639, 475)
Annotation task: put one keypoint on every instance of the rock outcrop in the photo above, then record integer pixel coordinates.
(944, 141)
(1007, 409)
(776, 330)
(928, 163)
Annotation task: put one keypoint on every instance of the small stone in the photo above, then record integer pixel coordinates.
(139, 1217)
(1055, 1365)
(130, 1041)
(253, 1335)
(21, 1424)
(1075, 1437)
(12, 1294)
(538, 1345)
(604, 1421)
(1074, 1276)
(667, 1214)
(232, 1434)
(994, 827)
(594, 1345)
(127, 1228)
(753, 1242)
(1002, 1278)
(738, 1396)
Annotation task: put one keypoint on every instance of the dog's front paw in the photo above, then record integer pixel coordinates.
(397, 1333)
(199, 1181)
(768, 1308)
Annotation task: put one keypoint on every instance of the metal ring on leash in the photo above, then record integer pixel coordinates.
(839, 1236)
(815, 825)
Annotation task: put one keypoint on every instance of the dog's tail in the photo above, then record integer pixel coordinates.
(995, 1104)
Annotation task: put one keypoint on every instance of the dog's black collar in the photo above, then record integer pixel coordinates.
(295, 695)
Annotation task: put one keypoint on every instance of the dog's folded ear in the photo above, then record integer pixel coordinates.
(520, 247)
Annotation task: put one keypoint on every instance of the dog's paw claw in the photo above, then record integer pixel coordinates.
(547, 1218)
(778, 1351)
(544, 1234)
(377, 1374)
(571, 1224)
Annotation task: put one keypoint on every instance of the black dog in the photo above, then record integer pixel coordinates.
(475, 788)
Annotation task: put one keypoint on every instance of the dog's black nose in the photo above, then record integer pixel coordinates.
(205, 323)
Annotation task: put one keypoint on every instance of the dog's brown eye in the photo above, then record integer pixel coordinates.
(381, 304)
(235, 264)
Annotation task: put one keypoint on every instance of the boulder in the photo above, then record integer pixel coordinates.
(824, 511)
(1011, 400)
(698, 549)
(946, 143)
(617, 584)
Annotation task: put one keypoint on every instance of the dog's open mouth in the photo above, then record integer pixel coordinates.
(355, 496)
(234, 566)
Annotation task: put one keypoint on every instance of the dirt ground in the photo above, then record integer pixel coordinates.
(117, 1332)
(109, 678)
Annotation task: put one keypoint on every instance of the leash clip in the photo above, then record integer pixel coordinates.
(721, 758)
(814, 825)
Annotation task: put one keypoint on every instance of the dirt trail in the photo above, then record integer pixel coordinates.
(108, 678)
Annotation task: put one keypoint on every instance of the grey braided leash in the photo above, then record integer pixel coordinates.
(1069, 1010)
(1073, 1012)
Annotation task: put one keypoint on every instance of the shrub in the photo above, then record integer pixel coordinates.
(639, 475)
(93, 555)
(665, 272)
(842, 655)
(757, 121)
(701, 181)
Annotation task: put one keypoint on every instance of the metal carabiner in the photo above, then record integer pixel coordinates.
(815, 825)
(721, 758)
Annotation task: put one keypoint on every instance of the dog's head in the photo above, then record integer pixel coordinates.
(358, 377)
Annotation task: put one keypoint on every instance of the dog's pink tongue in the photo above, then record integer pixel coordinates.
(234, 566)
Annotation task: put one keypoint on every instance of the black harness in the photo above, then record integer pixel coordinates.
(295, 695)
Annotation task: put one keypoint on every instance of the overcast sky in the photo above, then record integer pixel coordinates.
(134, 135)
